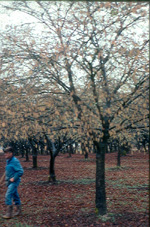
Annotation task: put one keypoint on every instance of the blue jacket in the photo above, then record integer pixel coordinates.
(13, 170)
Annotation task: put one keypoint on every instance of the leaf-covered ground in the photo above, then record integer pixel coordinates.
(71, 201)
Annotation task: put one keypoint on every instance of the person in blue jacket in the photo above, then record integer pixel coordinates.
(13, 173)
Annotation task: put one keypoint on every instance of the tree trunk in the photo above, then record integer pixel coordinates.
(86, 155)
(42, 150)
(101, 207)
(70, 150)
(22, 152)
(27, 155)
(52, 176)
(34, 159)
(53, 154)
(144, 145)
(34, 152)
(76, 147)
(119, 157)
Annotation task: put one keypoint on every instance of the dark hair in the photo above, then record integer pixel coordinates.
(8, 149)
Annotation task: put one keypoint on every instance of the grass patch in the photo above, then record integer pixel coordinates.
(119, 168)
(22, 225)
(83, 181)
(87, 160)
(123, 184)
(111, 217)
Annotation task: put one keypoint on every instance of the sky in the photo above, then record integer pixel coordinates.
(16, 18)
(13, 18)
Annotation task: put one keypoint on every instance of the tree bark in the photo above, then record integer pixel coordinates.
(52, 176)
(34, 159)
(53, 154)
(70, 150)
(119, 157)
(34, 153)
(86, 155)
(27, 155)
(22, 152)
(101, 207)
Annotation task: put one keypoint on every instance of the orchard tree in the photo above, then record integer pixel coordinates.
(89, 56)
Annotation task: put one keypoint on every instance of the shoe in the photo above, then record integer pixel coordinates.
(18, 211)
(9, 212)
